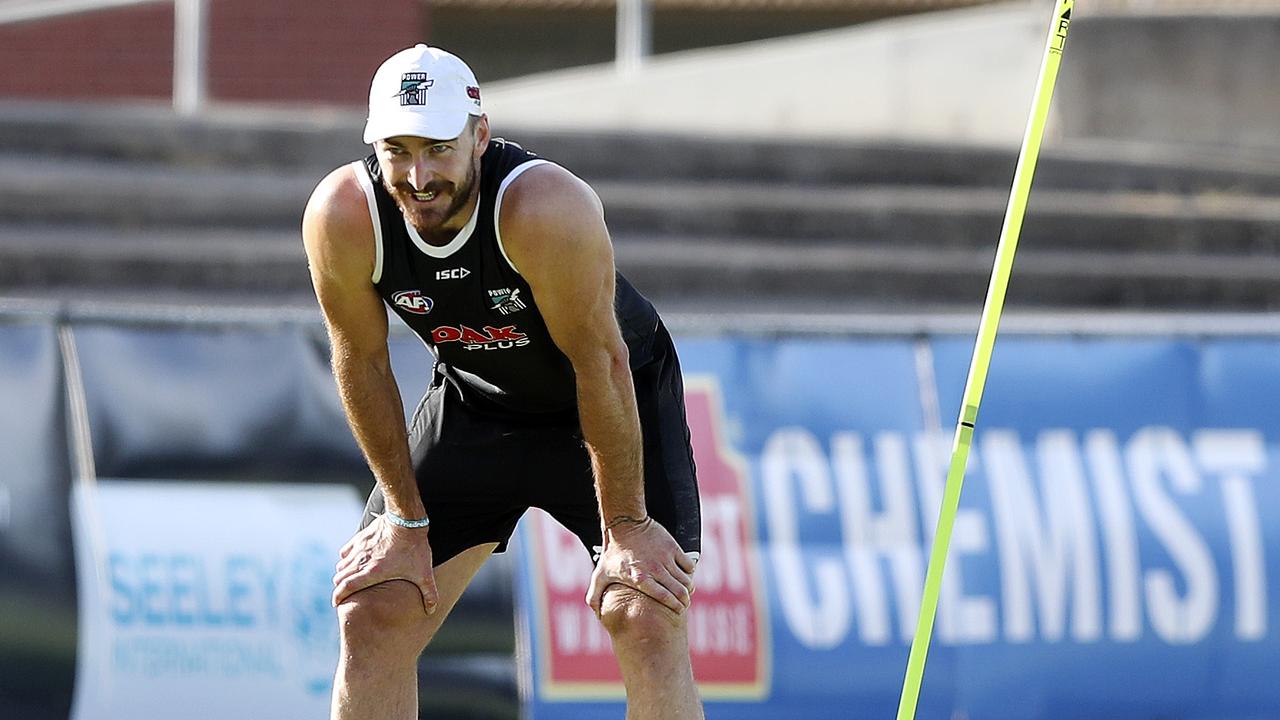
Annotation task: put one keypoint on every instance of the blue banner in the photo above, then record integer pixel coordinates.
(1109, 560)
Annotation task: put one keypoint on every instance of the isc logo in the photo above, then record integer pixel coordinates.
(454, 274)
(412, 301)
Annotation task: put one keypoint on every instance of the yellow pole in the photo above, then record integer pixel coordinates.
(982, 354)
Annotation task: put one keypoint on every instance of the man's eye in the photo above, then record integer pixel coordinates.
(440, 148)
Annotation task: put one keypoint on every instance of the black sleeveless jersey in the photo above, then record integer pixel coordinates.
(471, 306)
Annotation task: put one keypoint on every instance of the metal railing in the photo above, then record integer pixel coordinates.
(190, 38)
(634, 41)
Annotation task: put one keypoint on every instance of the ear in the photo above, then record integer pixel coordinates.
(481, 136)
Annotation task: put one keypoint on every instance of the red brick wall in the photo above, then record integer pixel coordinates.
(278, 51)
(122, 53)
(305, 50)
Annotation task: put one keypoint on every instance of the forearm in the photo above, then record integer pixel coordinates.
(372, 403)
(611, 429)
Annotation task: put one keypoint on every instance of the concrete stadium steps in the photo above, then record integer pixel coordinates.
(315, 141)
(947, 217)
(308, 139)
(686, 273)
(90, 259)
(1080, 166)
(127, 201)
(139, 195)
(36, 190)
(693, 276)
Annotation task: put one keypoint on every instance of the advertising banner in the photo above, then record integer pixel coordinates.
(1113, 557)
(190, 403)
(37, 570)
(728, 625)
(207, 601)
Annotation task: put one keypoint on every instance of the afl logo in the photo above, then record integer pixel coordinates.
(412, 301)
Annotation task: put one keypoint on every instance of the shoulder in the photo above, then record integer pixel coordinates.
(545, 197)
(548, 215)
(336, 223)
(338, 200)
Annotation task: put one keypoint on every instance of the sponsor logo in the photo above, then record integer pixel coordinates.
(413, 88)
(204, 623)
(453, 274)
(490, 338)
(315, 634)
(506, 300)
(413, 301)
(473, 92)
(728, 621)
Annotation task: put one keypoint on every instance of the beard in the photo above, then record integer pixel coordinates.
(430, 221)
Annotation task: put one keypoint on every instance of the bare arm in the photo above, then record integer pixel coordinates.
(548, 216)
(553, 229)
(338, 234)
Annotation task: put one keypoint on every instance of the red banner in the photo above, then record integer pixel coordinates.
(728, 630)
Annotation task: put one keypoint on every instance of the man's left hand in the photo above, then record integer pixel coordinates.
(643, 555)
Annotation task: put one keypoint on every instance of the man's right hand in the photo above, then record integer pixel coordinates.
(381, 552)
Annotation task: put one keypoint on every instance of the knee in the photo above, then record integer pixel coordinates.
(388, 616)
(629, 614)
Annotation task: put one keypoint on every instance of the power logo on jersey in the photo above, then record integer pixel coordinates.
(413, 301)
(491, 338)
(506, 300)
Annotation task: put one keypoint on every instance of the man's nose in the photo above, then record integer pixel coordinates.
(419, 176)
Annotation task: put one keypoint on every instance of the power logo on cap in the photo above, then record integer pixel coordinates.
(413, 88)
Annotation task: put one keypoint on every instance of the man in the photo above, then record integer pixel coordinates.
(556, 386)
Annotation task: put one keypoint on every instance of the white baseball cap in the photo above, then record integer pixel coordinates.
(424, 92)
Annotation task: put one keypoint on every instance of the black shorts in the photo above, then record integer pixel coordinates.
(479, 471)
